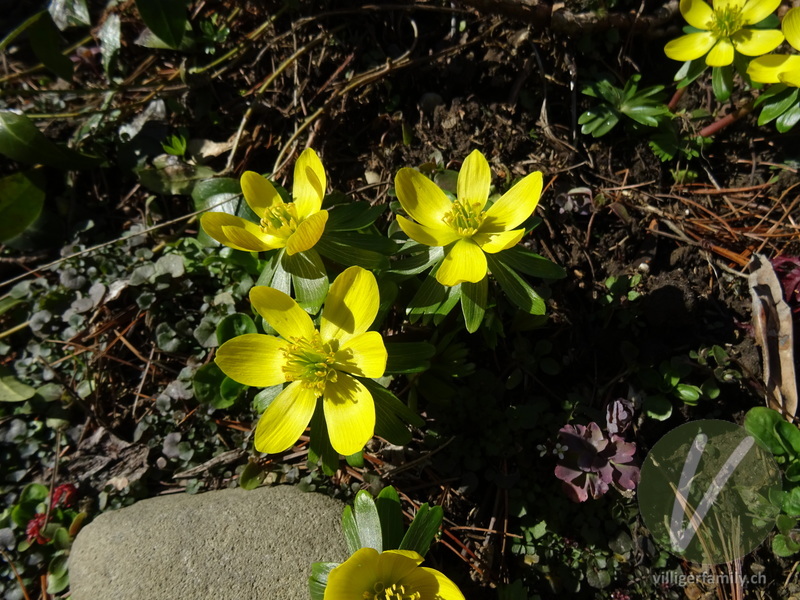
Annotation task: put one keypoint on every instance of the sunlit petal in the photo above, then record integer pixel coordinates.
(354, 577)
(253, 359)
(474, 180)
(464, 262)
(309, 183)
(364, 355)
(222, 227)
(697, 13)
(351, 305)
(422, 199)
(755, 11)
(259, 193)
(307, 233)
(690, 46)
(496, 242)
(766, 69)
(282, 313)
(394, 565)
(792, 76)
(791, 27)
(349, 413)
(427, 235)
(721, 54)
(755, 42)
(285, 419)
(432, 584)
(516, 205)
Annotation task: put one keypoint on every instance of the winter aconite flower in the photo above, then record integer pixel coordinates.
(390, 575)
(316, 363)
(723, 29)
(296, 225)
(463, 227)
(781, 68)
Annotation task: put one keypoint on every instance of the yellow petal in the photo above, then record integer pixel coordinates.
(394, 565)
(697, 13)
(422, 199)
(427, 235)
(309, 183)
(756, 11)
(349, 413)
(282, 313)
(364, 355)
(791, 27)
(259, 193)
(496, 242)
(690, 46)
(474, 180)
(755, 42)
(253, 359)
(464, 262)
(431, 584)
(351, 305)
(307, 233)
(285, 419)
(225, 229)
(516, 205)
(792, 76)
(721, 54)
(766, 69)
(355, 577)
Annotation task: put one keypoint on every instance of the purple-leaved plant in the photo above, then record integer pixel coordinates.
(787, 268)
(593, 462)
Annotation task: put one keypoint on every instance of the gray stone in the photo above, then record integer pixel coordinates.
(217, 545)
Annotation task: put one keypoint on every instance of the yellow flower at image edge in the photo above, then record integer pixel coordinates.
(390, 575)
(296, 226)
(781, 68)
(316, 363)
(724, 28)
(464, 224)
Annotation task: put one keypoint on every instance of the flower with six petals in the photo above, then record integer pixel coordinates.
(463, 227)
(725, 28)
(781, 68)
(315, 363)
(390, 575)
(296, 226)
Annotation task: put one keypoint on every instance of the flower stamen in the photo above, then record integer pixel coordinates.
(280, 220)
(310, 361)
(464, 218)
(393, 592)
(727, 21)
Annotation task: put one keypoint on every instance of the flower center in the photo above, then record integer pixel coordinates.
(310, 361)
(464, 218)
(393, 592)
(280, 220)
(727, 21)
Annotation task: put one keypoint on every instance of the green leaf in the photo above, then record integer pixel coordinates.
(234, 325)
(43, 33)
(22, 141)
(791, 502)
(206, 384)
(408, 357)
(57, 584)
(390, 512)
(343, 253)
(391, 414)
(171, 176)
(784, 546)
(760, 422)
(774, 105)
(110, 38)
(523, 260)
(657, 407)
(367, 521)
(252, 475)
(21, 202)
(793, 471)
(265, 397)
(420, 259)
(789, 436)
(722, 82)
(353, 216)
(165, 18)
(320, 449)
(12, 389)
(423, 529)
(788, 119)
(690, 71)
(350, 530)
(33, 493)
(319, 579)
(690, 394)
(309, 278)
(517, 290)
(61, 539)
(69, 13)
(473, 303)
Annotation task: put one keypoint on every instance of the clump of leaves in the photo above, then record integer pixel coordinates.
(787, 268)
(593, 462)
(645, 107)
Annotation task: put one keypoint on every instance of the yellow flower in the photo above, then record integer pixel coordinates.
(781, 68)
(724, 28)
(391, 575)
(296, 226)
(471, 230)
(316, 363)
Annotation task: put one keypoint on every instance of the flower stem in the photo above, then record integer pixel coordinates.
(722, 123)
